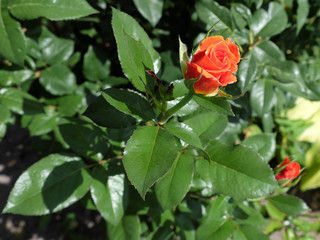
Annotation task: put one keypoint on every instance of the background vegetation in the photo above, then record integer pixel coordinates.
(61, 73)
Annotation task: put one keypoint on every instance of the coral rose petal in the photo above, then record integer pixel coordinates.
(234, 49)
(206, 85)
(227, 79)
(210, 41)
(201, 59)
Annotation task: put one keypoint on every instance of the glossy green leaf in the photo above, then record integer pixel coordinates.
(54, 49)
(241, 14)
(271, 22)
(262, 97)
(12, 40)
(105, 115)
(108, 190)
(218, 105)
(53, 183)
(128, 229)
(19, 102)
(70, 104)
(58, 80)
(248, 232)
(150, 10)
(95, 68)
(148, 156)
(53, 10)
(42, 124)
(239, 172)
(216, 217)
(3, 130)
(85, 139)
(302, 14)
(286, 72)
(267, 51)
(289, 204)
(264, 144)
(4, 113)
(187, 109)
(122, 22)
(135, 60)
(246, 214)
(217, 230)
(210, 12)
(184, 132)
(247, 72)
(207, 125)
(129, 102)
(171, 189)
(8, 78)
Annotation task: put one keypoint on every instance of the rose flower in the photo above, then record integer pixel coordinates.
(215, 61)
(291, 171)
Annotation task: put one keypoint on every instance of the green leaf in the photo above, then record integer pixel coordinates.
(172, 188)
(264, 144)
(70, 104)
(50, 185)
(8, 78)
(216, 217)
(267, 51)
(207, 125)
(246, 214)
(3, 130)
(268, 24)
(129, 102)
(185, 227)
(148, 156)
(85, 139)
(239, 172)
(183, 56)
(105, 115)
(218, 105)
(262, 97)
(42, 124)
(5, 114)
(184, 132)
(93, 67)
(53, 10)
(19, 102)
(54, 49)
(12, 40)
(150, 10)
(128, 229)
(302, 14)
(241, 14)
(247, 72)
(289, 204)
(108, 191)
(211, 13)
(246, 232)
(58, 80)
(129, 33)
(217, 230)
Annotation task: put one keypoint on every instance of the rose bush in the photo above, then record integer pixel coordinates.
(214, 64)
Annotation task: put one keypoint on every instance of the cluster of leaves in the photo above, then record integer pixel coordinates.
(122, 144)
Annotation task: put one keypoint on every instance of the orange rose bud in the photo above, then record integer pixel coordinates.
(291, 171)
(214, 63)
